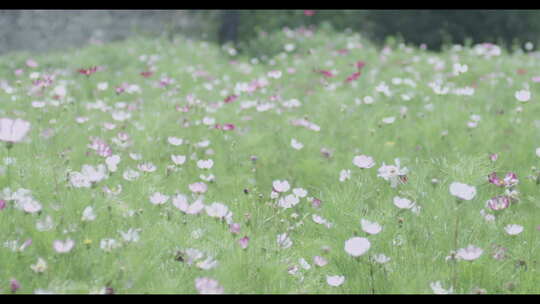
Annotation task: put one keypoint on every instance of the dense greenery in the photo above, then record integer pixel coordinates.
(433, 28)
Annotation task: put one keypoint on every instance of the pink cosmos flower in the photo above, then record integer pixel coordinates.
(510, 179)
(493, 157)
(495, 180)
(180, 201)
(158, 198)
(244, 242)
(335, 281)
(281, 186)
(357, 246)
(319, 261)
(363, 161)
(208, 286)
(353, 76)
(498, 203)
(2, 204)
(370, 227)
(469, 253)
(234, 228)
(14, 285)
(13, 130)
(100, 146)
(63, 247)
(31, 63)
(309, 13)
(198, 187)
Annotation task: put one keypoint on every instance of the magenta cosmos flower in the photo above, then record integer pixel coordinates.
(357, 246)
(13, 130)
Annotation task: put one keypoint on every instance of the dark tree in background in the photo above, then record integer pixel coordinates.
(228, 31)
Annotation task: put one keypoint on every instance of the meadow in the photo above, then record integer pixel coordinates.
(327, 166)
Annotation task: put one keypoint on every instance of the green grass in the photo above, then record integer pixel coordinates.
(417, 244)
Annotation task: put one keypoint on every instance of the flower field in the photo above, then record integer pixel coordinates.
(333, 166)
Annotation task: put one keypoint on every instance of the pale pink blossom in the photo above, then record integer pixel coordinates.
(363, 161)
(198, 187)
(357, 246)
(158, 198)
(63, 246)
(281, 186)
(13, 130)
(370, 227)
(462, 191)
(178, 159)
(469, 253)
(335, 281)
(208, 286)
(244, 242)
(513, 229)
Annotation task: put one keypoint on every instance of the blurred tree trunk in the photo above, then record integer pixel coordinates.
(228, 31)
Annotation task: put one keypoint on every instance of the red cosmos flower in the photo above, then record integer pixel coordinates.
(343, 51)
(326, 73)
(225, 127)
(146, 74)
(88, 71)
(521, 71)
(309, 13)
(359, 65)
(230, 98)
(353, 77)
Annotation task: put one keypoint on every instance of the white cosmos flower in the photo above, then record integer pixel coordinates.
(205, 164)
(40, 266)
(108, 244)
(437, 288)
(218, 210)
(112, 162)
(344, 175)
(523, 95)
(296, 144)
(403, 203)
(381, 258)
(513, 229)
(389, 120)
(132, 235)
(462, 191)
(284, 241)
(300, 192)
(88, 214)
(175, 141)
(178, 159)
